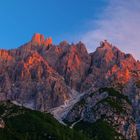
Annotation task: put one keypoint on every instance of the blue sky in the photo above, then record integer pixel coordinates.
(20, 19)
(88, 20)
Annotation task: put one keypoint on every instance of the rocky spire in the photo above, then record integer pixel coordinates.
(39, 39)
(105, 44)
(48, 41)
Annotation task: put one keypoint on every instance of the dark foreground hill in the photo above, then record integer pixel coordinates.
(19, 123)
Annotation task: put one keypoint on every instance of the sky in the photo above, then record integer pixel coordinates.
(90, 21)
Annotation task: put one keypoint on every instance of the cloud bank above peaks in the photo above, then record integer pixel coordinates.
(120, 24)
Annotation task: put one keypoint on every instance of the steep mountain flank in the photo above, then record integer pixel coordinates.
(47, 77)
(112, 67)
(106, 108)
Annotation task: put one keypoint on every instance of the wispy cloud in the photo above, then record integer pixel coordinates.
(120, 24)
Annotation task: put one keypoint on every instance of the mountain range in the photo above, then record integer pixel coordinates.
(87, 92)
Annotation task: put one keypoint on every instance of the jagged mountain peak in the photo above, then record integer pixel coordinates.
(39, 39)
(105, 45)
(42, 76)
(5, 55)
(107, 52)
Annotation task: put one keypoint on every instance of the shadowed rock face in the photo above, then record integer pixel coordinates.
(71, 61)
(74, 65)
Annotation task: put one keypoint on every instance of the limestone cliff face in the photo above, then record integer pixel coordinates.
(74, 65)
(59, 68)
(41, 75)
(27, 77)
(110, 67)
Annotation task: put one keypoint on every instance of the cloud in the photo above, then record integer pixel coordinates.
(120, 24)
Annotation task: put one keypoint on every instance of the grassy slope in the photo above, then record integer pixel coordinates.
(100, 130)
(33, 125)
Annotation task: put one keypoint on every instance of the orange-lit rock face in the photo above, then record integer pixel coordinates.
(36, 62)
(74, 63)
(105, 45)
(39, 39)
(111, 66)
(127, 74)
(74, 60)
(4, 55)
(48, 41)
(121, 76)
(34, 59)
(57, 67)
